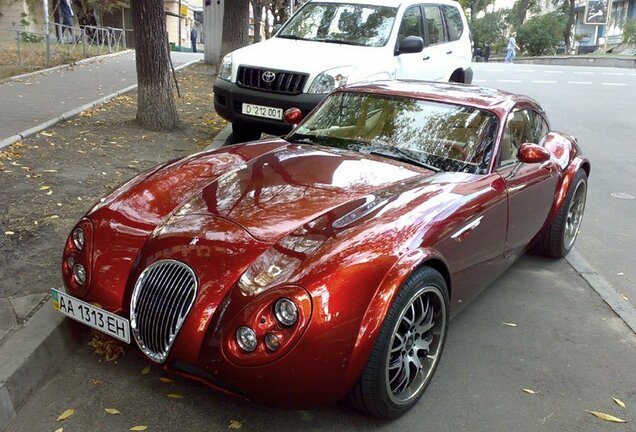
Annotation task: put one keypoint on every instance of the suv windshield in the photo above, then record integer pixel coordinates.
(442, 136)
(352, 24)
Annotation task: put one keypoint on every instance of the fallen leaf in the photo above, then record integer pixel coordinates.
(619, 402)
(235, 424)
(509, 324)
(95, 381)
(607, 417)
(146, 370)
(59, 430)
(113, 411)
(529, 391)
(49, 192)
(175, 395)
(66, 414)
(138, 428)
(106, 346)
(45, 187)
(9, 233)
(166, 380)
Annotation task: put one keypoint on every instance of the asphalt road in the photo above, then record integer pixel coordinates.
(598, 106)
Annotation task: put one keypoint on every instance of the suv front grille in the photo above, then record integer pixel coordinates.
(271, 80)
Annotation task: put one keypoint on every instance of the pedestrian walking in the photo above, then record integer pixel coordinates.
(486, 53)
(512, 48)
(193, 38)
(66, 15)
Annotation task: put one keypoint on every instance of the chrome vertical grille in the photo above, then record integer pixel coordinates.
(161, 300)
(281, 81)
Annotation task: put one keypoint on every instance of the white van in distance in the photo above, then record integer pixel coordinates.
(329, 43)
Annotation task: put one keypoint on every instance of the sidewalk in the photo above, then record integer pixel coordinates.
(42, 97)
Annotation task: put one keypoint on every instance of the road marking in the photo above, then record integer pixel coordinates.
(523, 70)
(584, 73)
(612, 73)
(479, 80)
(510, 81)
(544, 82)
(495, 70)
(579, 82)
(614, 84)
(553, 71)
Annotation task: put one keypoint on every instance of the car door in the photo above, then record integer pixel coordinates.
(412, 66)
(437, 51)
(531, 187)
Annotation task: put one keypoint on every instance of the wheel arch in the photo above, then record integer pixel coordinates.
(566, 182)
(385, 295)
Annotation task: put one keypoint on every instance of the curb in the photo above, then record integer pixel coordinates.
(65, 66)
(609, 295)
(30, 353)
(221, 138)
(74, 112)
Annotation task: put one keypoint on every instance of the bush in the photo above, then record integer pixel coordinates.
(541, 35)
(629, 32)
(490, 29)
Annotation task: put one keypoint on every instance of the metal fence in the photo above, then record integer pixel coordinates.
(24, 51)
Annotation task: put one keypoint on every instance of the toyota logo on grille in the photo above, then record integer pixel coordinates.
(269, 76)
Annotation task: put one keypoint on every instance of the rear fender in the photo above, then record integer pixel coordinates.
(379, 306)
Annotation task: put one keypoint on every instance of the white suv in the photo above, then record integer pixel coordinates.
(330, 43)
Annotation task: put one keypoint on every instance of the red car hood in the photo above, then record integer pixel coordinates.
(274, 193)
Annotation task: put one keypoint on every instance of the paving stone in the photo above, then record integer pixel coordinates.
(24, 305)
(7, 316)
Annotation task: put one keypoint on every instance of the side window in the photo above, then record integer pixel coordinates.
(434, 24)
(518, 131)
(539, 127)
(454, 22)
(411, 23)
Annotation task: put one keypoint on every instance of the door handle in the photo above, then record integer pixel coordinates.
(426, 58)
(449, 52)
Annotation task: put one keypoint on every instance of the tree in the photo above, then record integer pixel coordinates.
(490, 30)
(156, 109)
(541, 34)
(235, 25)
(257, 7)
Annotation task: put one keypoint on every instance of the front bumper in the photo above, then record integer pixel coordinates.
(229, 97)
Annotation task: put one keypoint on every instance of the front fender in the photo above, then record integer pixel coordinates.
(378, 308)
(577, 163)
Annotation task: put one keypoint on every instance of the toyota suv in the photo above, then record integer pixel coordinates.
(329, 43)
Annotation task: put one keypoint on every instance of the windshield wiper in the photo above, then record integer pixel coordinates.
(291, 37)
(399, 154)
(339, 41)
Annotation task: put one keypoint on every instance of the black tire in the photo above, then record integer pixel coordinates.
(243, 132)
(557, 240)
(373, 394)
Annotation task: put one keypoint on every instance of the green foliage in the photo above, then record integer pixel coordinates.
(629, 32)
(490, 29)
(105, 6)
(30, 37)
(540, 35)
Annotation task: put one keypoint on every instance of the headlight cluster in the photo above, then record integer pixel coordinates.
(331, 79)
(77, 257)
(286, 313)
(225, 69)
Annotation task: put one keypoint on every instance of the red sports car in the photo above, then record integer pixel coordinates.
(327, 264)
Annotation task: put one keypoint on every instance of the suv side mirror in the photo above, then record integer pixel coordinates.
(533, 153)
(410, 44)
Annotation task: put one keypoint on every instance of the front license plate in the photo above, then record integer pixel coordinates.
(106, 322)
(262, 111)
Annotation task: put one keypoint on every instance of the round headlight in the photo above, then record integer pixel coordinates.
(271, 342)
(286, 311)
(246, 338)
(78, 238)
(80, 274)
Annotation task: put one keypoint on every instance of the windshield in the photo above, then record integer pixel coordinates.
(351, 24)
(443, 136)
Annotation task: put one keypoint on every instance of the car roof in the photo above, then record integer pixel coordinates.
(458, 94)
(390, 3)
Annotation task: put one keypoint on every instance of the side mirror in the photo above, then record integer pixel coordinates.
(410, 44)
(293, 116)
(533, 153)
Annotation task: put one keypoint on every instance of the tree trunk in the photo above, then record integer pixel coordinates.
(523, 10)
(257, 7)
(156, 109)
(474, 8)
(235, 26)
(567, 34)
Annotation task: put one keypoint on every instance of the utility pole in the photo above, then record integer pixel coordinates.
(607, 26)
(180, 18)
(45, 5)
(213, 30)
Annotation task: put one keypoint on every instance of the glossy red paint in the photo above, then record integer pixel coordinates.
(345, 229)
(293, 115)
(533, 153)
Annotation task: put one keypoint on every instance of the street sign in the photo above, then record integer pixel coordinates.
(596, 12)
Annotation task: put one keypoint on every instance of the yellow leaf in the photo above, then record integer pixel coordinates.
(175, 395)
(9, 233)
(166, 380)
(607, 417)
(619, 402)
(146, 370)
(529, 391)
(45, 187)
(509, 324)
(66, 414)
(59, 430)
(235, 424)
(138, 428)
(113, 411)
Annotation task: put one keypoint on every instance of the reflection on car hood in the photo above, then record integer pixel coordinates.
(273, 194)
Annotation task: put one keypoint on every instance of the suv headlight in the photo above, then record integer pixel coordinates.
(225, 70)
(331, 79)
